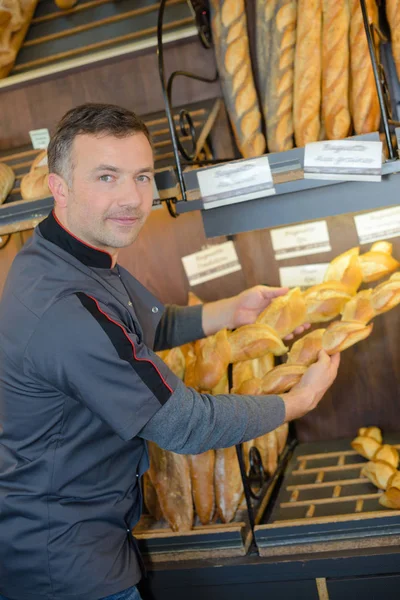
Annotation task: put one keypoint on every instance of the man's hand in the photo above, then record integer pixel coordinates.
(244, 309)
(306, 395)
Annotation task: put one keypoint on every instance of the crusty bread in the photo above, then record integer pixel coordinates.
(335, 68)
(282, 378)
(229, 27)
(285, 313)
(364, 98)
(359, 308)
(386, 295)
(393, 17)
(35, 184)
(276, 39)
(305, 350)
(65, 4)
(307, 72)
(13, 31)
(346, 268)
(340, 335)
(7, 178)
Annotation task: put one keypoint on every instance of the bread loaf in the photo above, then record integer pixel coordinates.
(393, 17)
(285, 313)
(386, 295)
(276, 38)
(13, 30)
(378, 472)
(228, 483)
(229, 28)
(170, 475)
(35, 184)
(347, 269)
(150, 498)
(65, 4)
(307, 72)
(335, 68)
(364, 98)
(391, 498)
(7, 178)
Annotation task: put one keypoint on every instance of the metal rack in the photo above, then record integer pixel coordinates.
(286, 168)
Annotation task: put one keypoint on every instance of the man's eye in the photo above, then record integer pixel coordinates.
(106, 178)
(143, 178)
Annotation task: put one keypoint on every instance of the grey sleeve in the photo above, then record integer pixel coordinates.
(179, 325)
(191, 423)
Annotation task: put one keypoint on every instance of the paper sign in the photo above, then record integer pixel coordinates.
(378, 225)
(157, 203)
(300, 240)
(235, 182)
(40, 138)
(302, 275)
(215, 261)
(345, 160)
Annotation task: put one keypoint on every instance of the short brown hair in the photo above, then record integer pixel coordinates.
(92, 119)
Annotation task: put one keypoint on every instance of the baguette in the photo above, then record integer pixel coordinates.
(364, 98)
(307, 72)
(12, 34)
(335, 69)
(7, 178)
(393, 17)
(276, 38)
(35, 184)
(229, 28)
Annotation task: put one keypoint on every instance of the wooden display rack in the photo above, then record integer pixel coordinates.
(19, 215)
(93, 31)
(324, 504)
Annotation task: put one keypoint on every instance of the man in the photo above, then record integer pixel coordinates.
(80, 386)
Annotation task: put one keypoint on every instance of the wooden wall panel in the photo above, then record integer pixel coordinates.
(131, 82)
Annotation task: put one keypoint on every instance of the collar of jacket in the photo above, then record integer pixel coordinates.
(52, 230)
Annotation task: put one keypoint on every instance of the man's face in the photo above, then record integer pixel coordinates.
(110, 193)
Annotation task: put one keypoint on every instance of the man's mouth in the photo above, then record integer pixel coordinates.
(124, 220)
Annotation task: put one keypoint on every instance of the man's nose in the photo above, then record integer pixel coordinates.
(130, 195)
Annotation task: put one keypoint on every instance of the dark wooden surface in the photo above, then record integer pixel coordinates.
(130, 82)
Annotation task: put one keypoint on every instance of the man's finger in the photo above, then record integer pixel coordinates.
(274, 292)
(335, 360)
(323, 357)
(289, 337)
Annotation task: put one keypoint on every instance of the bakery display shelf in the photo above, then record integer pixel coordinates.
(18, 215)
(94, 31)
(324, 504)
(296, 199)
(217, 540)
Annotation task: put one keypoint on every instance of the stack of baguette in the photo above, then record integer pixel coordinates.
(212, 480)
(381, 469)
(315, 77)
(320, 303)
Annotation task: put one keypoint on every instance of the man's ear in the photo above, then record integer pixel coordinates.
(59, 189)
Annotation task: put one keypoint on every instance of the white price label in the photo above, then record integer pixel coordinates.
(40, 138)
(235, 182)
(300, 240)
(302, 275)
(215, 261)
(378, 225)
(345, 160)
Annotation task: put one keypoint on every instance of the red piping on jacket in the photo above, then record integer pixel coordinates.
(131, 343)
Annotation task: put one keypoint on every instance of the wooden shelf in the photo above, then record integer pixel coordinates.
(92, 32)
(325, 504)
(19, 215)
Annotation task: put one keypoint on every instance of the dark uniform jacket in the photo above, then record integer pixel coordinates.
(80, 391)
